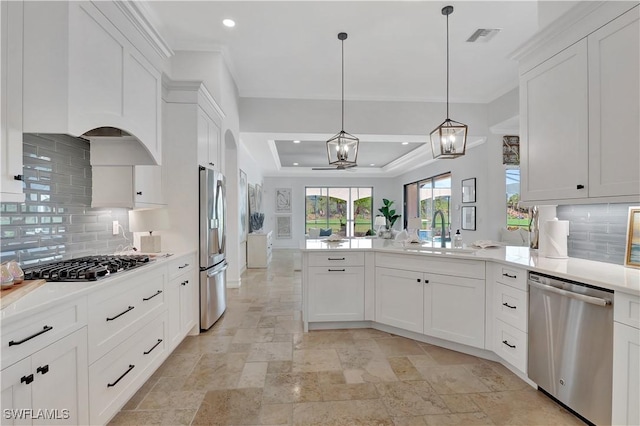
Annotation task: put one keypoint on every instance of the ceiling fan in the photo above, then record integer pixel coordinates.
(347, 167)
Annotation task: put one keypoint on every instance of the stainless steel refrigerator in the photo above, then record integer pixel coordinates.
(213, 266)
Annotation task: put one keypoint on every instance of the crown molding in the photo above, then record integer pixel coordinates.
(136, 13)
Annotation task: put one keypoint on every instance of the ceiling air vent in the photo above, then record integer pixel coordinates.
(483, 35)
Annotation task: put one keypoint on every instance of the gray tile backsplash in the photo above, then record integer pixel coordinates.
(56, 220)
(596, 231)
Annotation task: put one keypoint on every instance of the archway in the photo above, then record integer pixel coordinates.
(233, 210)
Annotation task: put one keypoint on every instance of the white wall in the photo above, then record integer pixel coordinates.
(252, 168)
(382, 188)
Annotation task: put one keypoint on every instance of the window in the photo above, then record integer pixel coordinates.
(424, 199)
(347, 211)
(517, 217)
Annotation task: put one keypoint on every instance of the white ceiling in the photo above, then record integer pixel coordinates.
(395, 49)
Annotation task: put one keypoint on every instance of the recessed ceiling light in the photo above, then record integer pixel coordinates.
(229, 23)
(295, 164)
(405, 143)
(296, 141)
(372, 164)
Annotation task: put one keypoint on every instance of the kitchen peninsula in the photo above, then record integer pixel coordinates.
(471, 301)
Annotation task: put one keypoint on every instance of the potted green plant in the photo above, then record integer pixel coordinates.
(389, 214)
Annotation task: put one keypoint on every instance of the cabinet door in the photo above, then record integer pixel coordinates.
(336, 293)
(148, 186)
(61, 380)
(399, 298)
(554, 127)
(454, 309)
(626, 371)
(614, 107)
(11, 16)
(16, 393)
(208, 140)
(188, 305)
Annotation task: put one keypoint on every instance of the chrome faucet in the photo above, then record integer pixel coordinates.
(442, 235)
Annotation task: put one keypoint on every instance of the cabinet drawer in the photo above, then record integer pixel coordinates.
(510, 344)
(115, 377)
(513, 277)
(117, 312)
(626, 309)
(510, 306)
(436, 264)
(336, 293)
(181, 265)
(25, 337)
(336, 258)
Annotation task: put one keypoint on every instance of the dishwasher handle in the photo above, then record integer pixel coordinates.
(588, 299)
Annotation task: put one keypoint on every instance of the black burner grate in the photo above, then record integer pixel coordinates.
(89, 268)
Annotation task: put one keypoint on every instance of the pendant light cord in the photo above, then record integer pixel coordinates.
(447, 66)
(342, 43)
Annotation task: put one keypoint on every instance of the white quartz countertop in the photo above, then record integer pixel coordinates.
(600, 274)
(53, 293)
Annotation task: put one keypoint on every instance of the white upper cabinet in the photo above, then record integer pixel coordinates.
(554, 128)
(81, 73)
(614, 107)
(579, 109)
(208, 141)
(11, 14)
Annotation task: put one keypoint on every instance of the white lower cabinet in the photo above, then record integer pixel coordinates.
(510, 344)
(115, 377)
(182, 293)
(336, 293)
(259, 250)
(400, 299)
(626, 360)
(50, 387)
(454, 309)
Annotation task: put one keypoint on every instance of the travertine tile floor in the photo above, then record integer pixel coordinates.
(256, 366)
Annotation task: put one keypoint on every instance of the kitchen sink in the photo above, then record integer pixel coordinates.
(419, 249)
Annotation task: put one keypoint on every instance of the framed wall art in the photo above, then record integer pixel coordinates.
(283, 227)
(632, 252)
(469, 190)
(511, 150)
(283, 200)
(252, 199)
(469, 218)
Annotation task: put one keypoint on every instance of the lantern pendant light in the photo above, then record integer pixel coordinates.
(449, 139)
(342, 149)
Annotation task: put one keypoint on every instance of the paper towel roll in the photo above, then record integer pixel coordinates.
(553, 239)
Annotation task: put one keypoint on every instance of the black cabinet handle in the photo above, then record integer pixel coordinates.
(120, 314)
(336, 270)
(508, 305)
(507, 343)
(139, 193)
(109, 385)
(19, 342)
(426, 281)
(579, 186)
(144, 299)
(18, 177)
(335, 258)
(184, 282)
(27, 379)
(211, 164)
(152, 348)
(43, 370)
(509, 276)
(183, 266)
(418, 280)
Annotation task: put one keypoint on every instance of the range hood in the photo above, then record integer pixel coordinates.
(111, 146)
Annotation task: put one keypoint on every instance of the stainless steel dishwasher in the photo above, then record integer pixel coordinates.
(571, 344)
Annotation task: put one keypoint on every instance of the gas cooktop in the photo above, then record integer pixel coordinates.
(88, 268)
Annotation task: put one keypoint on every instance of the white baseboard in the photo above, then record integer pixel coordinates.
(234, 283)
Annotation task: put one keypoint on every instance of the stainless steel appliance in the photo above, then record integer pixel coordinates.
(212, 216)
(571, 344)
(87, 268)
